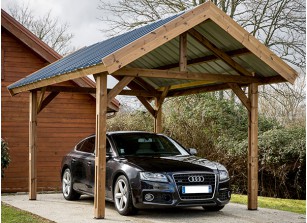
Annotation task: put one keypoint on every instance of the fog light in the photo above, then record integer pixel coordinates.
(229, 194)
(149, 197)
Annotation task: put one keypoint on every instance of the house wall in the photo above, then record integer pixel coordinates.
(66, 120)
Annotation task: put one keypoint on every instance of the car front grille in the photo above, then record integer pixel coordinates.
(183, 180)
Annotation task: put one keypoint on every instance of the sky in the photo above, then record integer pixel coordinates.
(81, 15)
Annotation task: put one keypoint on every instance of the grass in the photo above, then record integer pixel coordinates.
(11, 214)
(296, 206)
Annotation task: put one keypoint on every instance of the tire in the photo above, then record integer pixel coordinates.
(68, 192)
(123, 197)
(213, 208)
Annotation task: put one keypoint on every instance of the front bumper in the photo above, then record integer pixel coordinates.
(155, 194)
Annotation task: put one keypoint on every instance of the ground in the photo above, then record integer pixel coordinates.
(56, 208)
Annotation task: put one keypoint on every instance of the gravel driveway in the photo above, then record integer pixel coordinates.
(56, 208)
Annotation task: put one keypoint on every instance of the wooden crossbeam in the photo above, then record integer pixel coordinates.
(185, 75)
(89, 90)
(219, 53)
(119, 87)
(206, 59)
(241, 95)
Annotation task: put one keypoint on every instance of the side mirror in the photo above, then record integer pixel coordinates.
(192, 151)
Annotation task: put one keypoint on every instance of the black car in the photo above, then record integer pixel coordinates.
(146, 170)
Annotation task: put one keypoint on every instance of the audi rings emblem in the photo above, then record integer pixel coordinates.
(195, 179)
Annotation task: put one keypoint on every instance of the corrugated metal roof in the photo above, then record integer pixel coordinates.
(91, 55)
(249, 52)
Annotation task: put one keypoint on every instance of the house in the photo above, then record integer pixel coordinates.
(68, 118)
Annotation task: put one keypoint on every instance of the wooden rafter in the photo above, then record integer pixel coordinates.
(206, 59)
(218, 52)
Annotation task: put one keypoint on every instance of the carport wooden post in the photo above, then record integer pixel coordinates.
(100, 149)
(32, 145)
(253, 147)
(158, 119)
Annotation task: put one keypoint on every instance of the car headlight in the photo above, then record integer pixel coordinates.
(153, 177)
(223, 175)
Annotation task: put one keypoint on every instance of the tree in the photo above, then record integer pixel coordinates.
(46, 28)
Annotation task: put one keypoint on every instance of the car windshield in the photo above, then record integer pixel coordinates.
(146, 144)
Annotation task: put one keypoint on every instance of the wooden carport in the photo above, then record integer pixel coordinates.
(200, 50)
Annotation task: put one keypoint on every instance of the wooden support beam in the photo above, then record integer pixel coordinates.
(162, 97)
(185, 75)
(100, 146)
(183, 49)
(119, 87)
(147, 106)
(41, 98)
(33, 145)
(219, 53)
(241, 95)
(47, 100)
(89, 90)
(206, 59)
(253, 148)
(198, 90)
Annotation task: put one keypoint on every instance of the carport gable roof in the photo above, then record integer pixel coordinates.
(219, 52)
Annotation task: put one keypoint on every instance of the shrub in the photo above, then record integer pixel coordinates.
(5, 157)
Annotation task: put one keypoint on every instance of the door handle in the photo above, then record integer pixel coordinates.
(89, 163)
(73, 160)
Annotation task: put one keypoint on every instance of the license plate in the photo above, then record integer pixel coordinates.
(199, 189)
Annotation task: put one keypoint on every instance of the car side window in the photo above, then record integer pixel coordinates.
(87, 145)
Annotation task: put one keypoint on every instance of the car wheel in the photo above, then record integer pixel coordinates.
(123, 197)
(213, 208)
(68, 192)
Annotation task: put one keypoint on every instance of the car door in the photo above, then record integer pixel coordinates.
(82, 164)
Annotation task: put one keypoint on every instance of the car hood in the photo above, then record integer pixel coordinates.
(172, 164)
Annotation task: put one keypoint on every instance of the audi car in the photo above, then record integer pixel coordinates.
(146, 170)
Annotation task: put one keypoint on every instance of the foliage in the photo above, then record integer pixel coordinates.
(11, 214)
(5, 156)
(296, 206)
(218, 129)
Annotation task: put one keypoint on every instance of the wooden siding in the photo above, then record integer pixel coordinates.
(66, 120)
